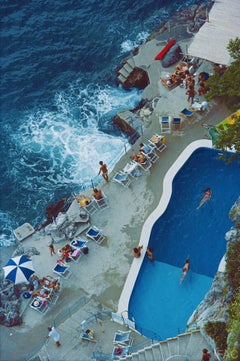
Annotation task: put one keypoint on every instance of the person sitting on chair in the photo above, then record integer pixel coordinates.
(83, 200)
(97, 193)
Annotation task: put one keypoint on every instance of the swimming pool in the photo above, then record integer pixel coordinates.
(159, 305)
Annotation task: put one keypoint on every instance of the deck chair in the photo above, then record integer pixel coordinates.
(102, 202)
(165, 124)
(123, 179)
(158, 142)
(76, 255)
(91, 208)
(95, 234)
(150, 153)
(177, 124)
(39, 305)
(62, 270)
(119, 351)
(79, 244)
(131, 168)
(188, 115)
(145, 165)
(123, 338)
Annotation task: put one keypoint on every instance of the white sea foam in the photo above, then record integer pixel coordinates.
(128, 45)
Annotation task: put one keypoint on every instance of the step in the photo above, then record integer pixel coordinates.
(121, 78)
(173, 346)
(157, 352)
(124, 72)
(165, 350)
(128, 67)
(132, 357)
(141, 356)
(196, 342)
(183, 341)
(131, 62)
(149, 353)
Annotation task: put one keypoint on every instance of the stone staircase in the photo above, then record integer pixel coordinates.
(126, 70)
(184, 347)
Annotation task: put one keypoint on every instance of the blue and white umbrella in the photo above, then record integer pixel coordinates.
(18, 269)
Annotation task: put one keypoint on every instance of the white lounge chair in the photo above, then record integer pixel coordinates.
(102, 202)
(165, 124)
(40, 305)
(158, 142)
(123, 179)
(150, 153)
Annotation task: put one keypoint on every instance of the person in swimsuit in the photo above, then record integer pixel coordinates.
(206, 197)
(103, 169)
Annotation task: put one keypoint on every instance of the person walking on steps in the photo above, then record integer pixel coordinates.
(54, 334)
(205, 355)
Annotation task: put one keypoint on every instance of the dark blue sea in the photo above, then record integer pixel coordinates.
(59, 94)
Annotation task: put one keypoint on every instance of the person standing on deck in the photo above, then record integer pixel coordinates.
(103, 169)
(54, 334)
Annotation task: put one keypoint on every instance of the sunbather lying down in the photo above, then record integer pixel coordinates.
(140, 158)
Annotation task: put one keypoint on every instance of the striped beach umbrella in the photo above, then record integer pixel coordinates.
(18, 269)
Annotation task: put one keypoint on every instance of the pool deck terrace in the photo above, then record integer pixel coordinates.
(102, 274)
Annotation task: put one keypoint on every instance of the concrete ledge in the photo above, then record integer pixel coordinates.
(23, 232)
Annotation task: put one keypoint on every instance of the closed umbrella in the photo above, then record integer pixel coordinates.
(18, 269)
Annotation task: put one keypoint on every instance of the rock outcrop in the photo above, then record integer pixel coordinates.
(172, 56)
(214, 306)
(10, 304)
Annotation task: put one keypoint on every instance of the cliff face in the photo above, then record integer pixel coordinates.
(214, 306)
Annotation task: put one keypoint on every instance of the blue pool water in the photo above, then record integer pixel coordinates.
(159, 305)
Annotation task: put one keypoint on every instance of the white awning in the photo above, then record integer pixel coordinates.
(213, 37)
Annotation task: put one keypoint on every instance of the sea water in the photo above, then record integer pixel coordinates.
(59, 94)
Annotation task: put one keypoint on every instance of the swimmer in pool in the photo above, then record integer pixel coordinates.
(206, 197)
(185, 270)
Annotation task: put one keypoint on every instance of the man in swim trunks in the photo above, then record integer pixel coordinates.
(103, 169)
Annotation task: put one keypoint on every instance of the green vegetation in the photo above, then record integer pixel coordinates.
(227, 334)
(229, 137)
(233, 276)
(226, 86)
(218, 332)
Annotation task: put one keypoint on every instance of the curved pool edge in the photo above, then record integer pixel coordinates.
(152, 218)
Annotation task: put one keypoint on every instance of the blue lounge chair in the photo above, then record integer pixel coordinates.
(177, 124)
(95, 234)
(123, 338)
(123, 179)
(188, 115)
(62, 270)
(119, 351)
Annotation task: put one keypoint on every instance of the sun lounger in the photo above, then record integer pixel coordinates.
(146, 165)
(119, 351)
(62, 270)
(40, 305)
(150, 153)
(102, 202)
(131, 168)
(165, 124)
(188, 115)
(123, 179)
(123, 338)
(79, 244)
(158, 142)
(177, 124)
(95, 234)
